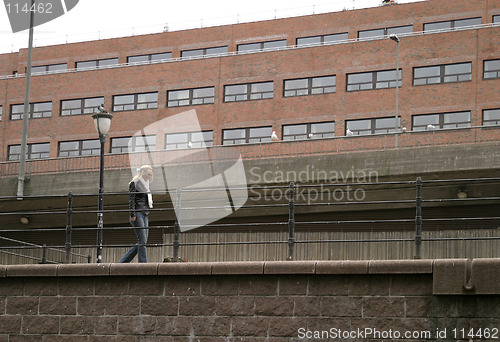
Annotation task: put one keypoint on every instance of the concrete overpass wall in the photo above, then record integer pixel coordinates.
(256, 301)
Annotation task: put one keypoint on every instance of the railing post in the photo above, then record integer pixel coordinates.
(69, 227)
(418, 220)
(177, 225)
(44, 254)
(291, 222)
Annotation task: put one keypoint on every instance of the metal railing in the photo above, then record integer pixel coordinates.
(290, 200)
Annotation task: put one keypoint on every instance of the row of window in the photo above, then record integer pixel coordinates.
(267, 45)
(448, 73)
(248, 135)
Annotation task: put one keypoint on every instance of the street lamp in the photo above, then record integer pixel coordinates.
(395, 38)
(102, 122)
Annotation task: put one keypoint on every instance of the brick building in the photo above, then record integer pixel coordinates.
(327, 84)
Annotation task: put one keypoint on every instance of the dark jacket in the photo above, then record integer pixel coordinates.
(138, 198)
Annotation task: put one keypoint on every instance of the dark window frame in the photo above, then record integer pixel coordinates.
(98, 63)
(494, 71)
(123, 107)
(135, 146)
(373, 128)
(191, 99)
(442, 74)
(80, 151)
(150, 58)
(376, 81)
(440, 125)
(322, 38)
(491, 122)
(261, 46)
(189, 139)
(308, 134)
(310, 90)
(386, 31)
(453, 24)
(249, 94)
(32, 113)
(29, 152)
(205, 52)
(247, 138)
(36, 69)
(83, 109)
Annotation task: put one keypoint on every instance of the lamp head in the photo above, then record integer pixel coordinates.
(394, 37)
(102, 120)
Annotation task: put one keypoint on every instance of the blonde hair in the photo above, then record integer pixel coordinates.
(143, 169)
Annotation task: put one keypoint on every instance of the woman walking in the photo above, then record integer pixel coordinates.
(140, 201)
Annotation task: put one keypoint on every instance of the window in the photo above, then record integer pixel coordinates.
(48, 68)
(385, 31)
(491, 117)
(1, 113)
(214, 51)
(250, 91)
(96, 63)
(318, 130)
(175, 141)
(448, 73)
(491, 69)
(496, 19)
(310, 86)
(246, 135)
(133, 144)
(79, 148)
(37, 110)
(143, 59)
(187, 97)
(371, 126)
(441, 121)
(373, 80)
(135, 102)
(253, 47)
(33, 151)
(80, 106)
(330, 38)
(451, 24)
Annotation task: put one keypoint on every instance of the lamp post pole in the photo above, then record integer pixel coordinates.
(102, 121)
(100, 222)
(396, 125)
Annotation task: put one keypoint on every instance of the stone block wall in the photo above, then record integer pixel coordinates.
(411, 300)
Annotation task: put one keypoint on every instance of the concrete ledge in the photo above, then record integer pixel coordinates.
(133, 269)
(400, 266)
(342, 267)
(238, 267)
(30, 271)
(77, 270)
(290, 267)
(486, 276)
(450, 276)
(185, 268)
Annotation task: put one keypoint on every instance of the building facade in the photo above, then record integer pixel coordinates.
(358, 90)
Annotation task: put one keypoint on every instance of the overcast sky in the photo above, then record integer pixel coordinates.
(99, 19)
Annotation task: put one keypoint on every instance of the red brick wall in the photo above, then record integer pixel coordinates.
(340, 59)
(276, 301)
